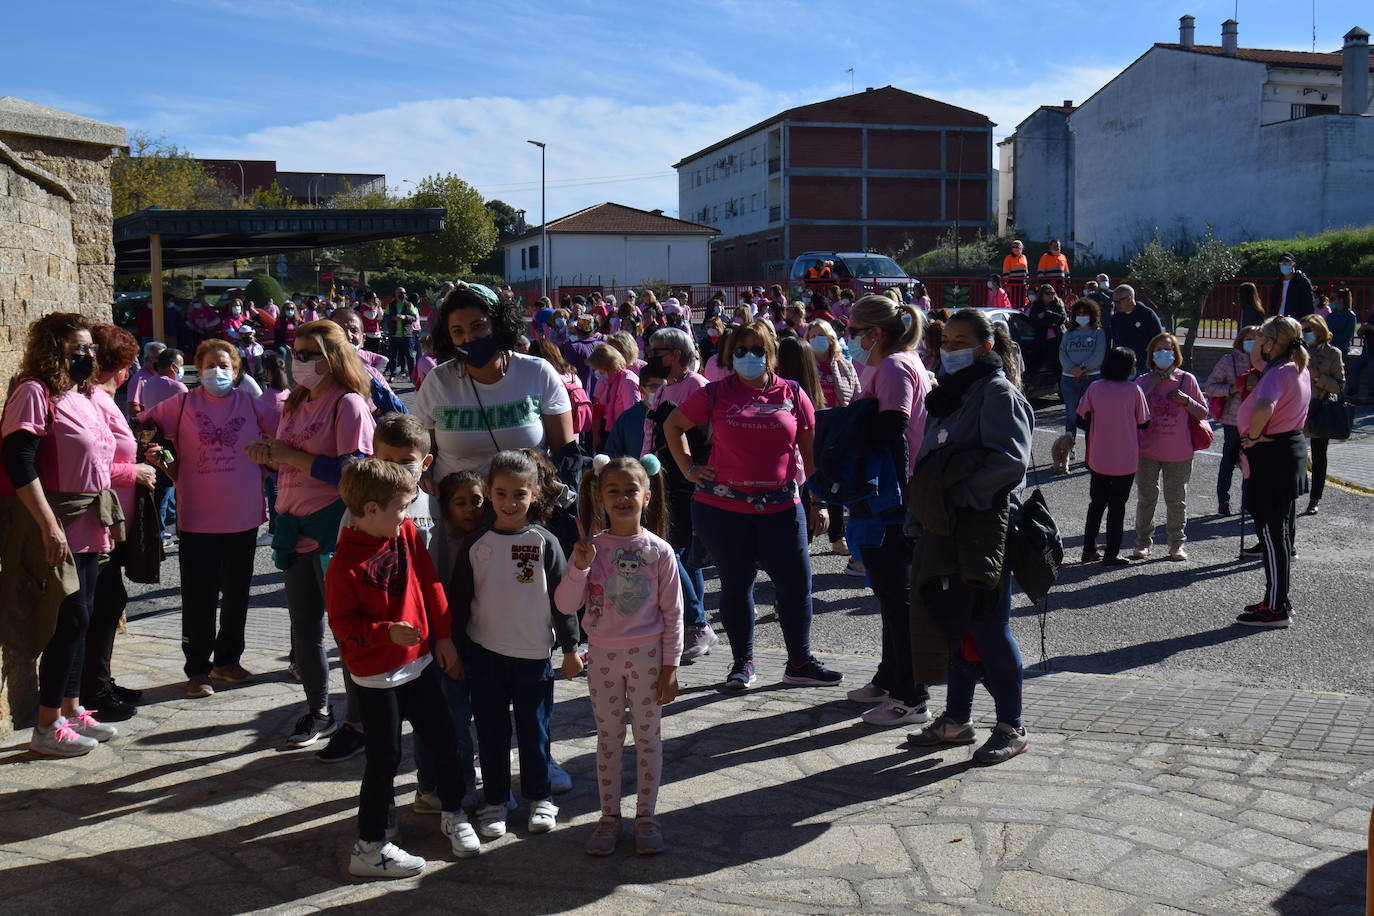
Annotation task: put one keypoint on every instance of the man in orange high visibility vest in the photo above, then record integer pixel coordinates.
(1015, 270)
(1053, 268)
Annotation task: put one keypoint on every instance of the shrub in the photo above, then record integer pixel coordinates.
(261, 288)
(1338, 253)
(414, 281)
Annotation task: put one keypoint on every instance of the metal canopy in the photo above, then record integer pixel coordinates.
(189, 237)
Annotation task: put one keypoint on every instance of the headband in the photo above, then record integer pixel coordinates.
(649, 462)
(484, 291)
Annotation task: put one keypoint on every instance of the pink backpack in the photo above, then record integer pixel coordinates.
(581, 404)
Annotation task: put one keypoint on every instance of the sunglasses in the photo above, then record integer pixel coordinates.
(305, 356)
(854, 332)
(756, 349)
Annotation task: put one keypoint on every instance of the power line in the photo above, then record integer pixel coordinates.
(579, 182)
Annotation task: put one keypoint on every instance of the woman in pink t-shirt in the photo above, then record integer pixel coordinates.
(59, 454)
(1112, 410)
(885, 334)
(1166, 446)
(116, 351)
(326, 422)
(616, 389)
(1270, 421)
(219, 509)
(746, 510)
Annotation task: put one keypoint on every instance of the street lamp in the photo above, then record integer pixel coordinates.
(243, 185)
(543, 225)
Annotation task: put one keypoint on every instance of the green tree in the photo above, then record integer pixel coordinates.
(370, 256)
(263, 287)
(155, 172)
(272, 197)
(1179, 283)
(469, 231)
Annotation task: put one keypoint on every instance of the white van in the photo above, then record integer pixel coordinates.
(216, 289)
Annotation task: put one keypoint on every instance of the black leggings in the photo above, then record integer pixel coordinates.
(1318, 447)
(111, 598)
(216, 576)
(59, 667)
(889, 569)
(1276, 546)
(1107, 493)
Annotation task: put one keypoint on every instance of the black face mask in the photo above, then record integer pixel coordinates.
(479, 351)
(655, 368)
(80, 367)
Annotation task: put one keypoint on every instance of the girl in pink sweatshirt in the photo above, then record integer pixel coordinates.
(626, 576)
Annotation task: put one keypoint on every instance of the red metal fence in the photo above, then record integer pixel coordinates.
(1220, 317)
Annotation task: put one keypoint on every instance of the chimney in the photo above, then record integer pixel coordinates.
(1230, 39)
(1185, 31)
(1068, 103)
(1355, 72)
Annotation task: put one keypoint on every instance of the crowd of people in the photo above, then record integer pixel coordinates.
(565, 482)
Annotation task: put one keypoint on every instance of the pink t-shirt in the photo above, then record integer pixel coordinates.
(134, 391)
(617, 394)
(219, 490)
(1289, 390)
(159, 388)
(754, 436)
(1167, 438)
(318, 428)
(901, 382)
(277, 398)
(713, 370)
(123, 477)
(1118, 409)
(75, 456)
(675, 393)
(423, 367)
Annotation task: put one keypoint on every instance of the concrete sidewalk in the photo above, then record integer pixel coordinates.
(1136, 797)
(1351, 463)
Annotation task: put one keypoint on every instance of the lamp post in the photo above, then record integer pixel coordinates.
(243, 185)
(543, 225)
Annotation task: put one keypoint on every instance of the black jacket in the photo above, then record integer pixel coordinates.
(1300, 300)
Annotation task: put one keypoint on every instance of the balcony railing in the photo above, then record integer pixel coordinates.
(775, 165)
(775, 214)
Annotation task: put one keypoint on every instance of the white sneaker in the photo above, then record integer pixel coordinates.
(543, 816)
(1178, 555)
(456, 826)
(893, 712)
(491, 821)
(559, 780)
(1140, 553)
(868, 693)
(85, 725)
(383, 860)
(698, 642)
(60, 740)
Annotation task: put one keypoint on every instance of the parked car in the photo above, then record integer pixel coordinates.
(1040, 375)
(862, 271)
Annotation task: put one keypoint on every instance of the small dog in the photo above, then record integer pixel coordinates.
(1060, 451)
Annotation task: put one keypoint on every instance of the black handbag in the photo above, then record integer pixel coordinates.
(142, 547)
(1034, 549)
(1330, 418)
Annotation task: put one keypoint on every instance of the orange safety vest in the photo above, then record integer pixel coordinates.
(1015, 267)
(1052, 265)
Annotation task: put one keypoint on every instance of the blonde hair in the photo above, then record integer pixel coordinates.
(1319, 327)
(1287, 333)
(606, 357)
(372, 480)
(820, 324)
(624, 341)
(342, 362)
(763, 330)
(899, 321)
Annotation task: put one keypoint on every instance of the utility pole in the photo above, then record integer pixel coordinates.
(543, 224)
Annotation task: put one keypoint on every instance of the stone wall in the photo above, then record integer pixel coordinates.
(56, 254)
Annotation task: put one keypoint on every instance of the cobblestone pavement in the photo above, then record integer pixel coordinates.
(775, 800)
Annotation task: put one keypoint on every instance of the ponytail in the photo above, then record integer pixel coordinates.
(1004, 347)
(902, 322)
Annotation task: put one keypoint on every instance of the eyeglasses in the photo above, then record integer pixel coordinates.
(86, 349)
(756, 349)
(305, 356)
(854, 332)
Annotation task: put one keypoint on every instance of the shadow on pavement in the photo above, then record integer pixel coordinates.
(1340, 882)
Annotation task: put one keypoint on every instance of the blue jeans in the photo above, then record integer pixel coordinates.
(167, 508)
(1230, 457)
(693, 593)
(740, 542)
(269, 491)
(459, 705)
(402, 356)
(1000, 667)
(1071, 390)
(498, 685)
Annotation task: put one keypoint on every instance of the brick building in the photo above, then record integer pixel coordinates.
(872, 170)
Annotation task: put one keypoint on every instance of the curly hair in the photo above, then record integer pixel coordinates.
(507, 321)
(44, 358)
(116, 348)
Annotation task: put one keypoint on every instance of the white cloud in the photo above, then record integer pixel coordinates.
(1010, 102)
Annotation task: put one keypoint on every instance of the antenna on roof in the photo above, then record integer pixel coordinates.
(1314, 25)
(850, 71)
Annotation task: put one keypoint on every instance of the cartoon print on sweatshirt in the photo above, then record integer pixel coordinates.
(629, 588)
(525, 558)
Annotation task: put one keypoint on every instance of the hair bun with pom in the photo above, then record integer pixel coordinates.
(651, 464)
(599, 463)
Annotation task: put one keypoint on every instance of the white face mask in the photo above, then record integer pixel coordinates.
(310, 375)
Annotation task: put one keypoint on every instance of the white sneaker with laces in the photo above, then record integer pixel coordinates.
(383, 860)
(491, 821)
(1140, 553)
(1178, 555)
(60, 740)
(85, 725)
(543, 816)
(868, 693)
(456, 826)
(894, 712)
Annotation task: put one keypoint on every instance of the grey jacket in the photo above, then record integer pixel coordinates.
(1083, 347)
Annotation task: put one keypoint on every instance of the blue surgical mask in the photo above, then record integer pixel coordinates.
(560, 322)
(750, 366)
(599, 375)
(1309, 338)
(218, 381)
(181, 371)
(1163, 358)
(1083, 320)
(1285, 269)
(821, 345)
(954, 360)
(1248, 345)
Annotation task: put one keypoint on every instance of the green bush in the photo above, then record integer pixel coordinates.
(1345, 252)
(261, 288)
(414, 281)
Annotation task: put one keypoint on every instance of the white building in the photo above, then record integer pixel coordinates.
(611, 245)
(1040, 146)
(1257, 143)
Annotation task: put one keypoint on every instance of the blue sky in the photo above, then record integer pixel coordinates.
(620, 91)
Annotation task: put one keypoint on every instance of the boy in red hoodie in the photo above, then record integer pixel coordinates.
(385, 604)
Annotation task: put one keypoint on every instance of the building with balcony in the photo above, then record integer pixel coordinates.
(883, 169)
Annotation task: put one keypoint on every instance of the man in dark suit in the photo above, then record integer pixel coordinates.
(1293, 293)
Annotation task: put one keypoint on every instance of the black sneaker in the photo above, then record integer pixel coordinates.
(1253, 550)
(1264, 616)
(109, 707)
(1116, 560)
(1003, 744)
(811, 673)
(311, 727)
(741, 675)
(346, 744)
(127, 694)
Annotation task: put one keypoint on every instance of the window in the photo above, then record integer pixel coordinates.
(753, 202)
(522, 259)
(1307, 111)
(754, 156)
(534, 256)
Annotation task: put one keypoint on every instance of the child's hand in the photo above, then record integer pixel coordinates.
(584, 551)
(446, 654)
(667, 686)
(404, 634)
(572, 665)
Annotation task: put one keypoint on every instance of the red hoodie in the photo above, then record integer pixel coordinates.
(374, 582)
